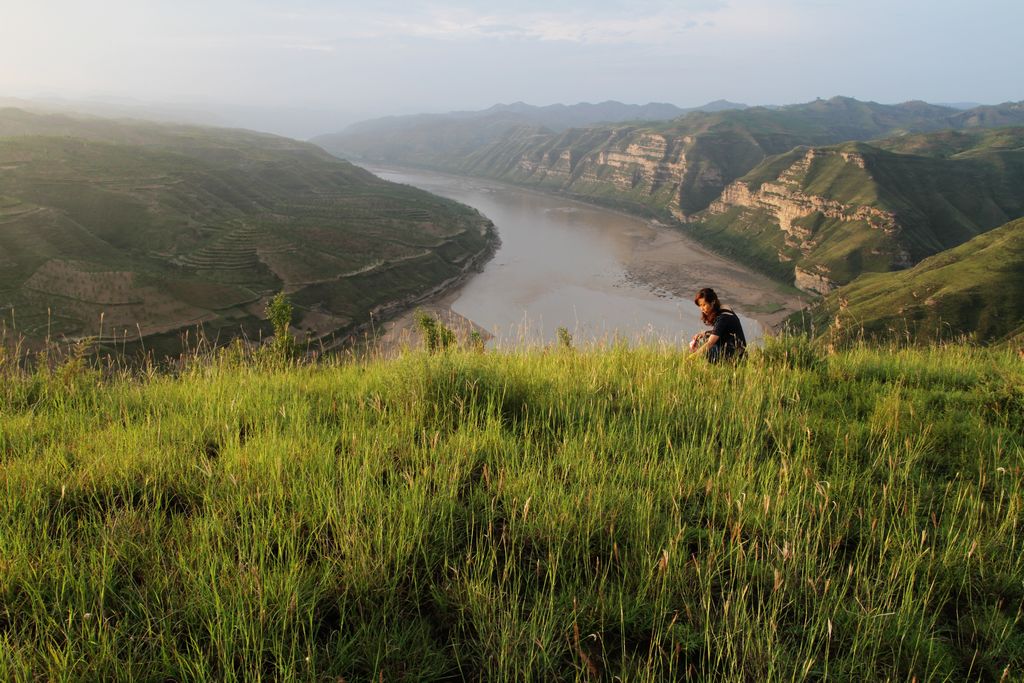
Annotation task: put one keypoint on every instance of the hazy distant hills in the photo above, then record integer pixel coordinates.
(976, 289)
(444, 141)
(1006, 114)
(555, 117)
(157, 228)
(561, 116)
(823, 215)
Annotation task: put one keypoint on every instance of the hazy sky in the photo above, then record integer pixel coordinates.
(311, 66)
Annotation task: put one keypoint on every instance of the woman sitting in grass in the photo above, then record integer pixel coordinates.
(725, 339)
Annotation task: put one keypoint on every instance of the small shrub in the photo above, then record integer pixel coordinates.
(75, 369)
(279, 313)
(564, 338)
(436, 337)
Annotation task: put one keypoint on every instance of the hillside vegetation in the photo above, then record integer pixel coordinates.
(132, 230)
(824, 215)
(975, 290)
(546, 515)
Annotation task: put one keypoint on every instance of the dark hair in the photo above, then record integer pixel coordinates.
(709, 296)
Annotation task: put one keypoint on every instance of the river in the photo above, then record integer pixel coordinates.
(591, 270)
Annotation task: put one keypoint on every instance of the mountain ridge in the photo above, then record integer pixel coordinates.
(556, 117)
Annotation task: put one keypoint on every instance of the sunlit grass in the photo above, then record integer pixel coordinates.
(539, 514)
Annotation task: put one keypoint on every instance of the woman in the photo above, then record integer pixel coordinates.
(725, 339)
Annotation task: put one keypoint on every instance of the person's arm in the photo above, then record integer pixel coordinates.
(703, 349)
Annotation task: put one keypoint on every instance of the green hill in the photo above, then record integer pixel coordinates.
(131, 229)
(954, 143)
(824, 215)
(672, 169)
(975, 290)
(614, 514)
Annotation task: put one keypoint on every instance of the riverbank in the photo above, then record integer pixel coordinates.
(391, 325)
(401, 332)
(680, 266)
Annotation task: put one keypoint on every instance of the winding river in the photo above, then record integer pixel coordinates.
(567, 264)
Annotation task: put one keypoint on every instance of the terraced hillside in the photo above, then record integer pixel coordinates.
(672, 169)
(821, 216)
(976, 289)
(136, 230)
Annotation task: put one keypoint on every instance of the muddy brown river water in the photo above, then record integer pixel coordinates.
(601, 274)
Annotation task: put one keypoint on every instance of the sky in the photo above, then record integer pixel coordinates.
(306, 67)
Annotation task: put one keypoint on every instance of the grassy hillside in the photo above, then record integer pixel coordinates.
(974, 290)
(954, 143)
(843, 210)
(602, 515)
(136, 229)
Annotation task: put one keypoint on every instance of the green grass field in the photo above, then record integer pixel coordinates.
(606, 514)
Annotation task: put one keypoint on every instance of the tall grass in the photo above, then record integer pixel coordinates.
(532, 515)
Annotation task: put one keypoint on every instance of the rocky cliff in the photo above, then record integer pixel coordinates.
(789, 205)
(646, 168)
(825, 215)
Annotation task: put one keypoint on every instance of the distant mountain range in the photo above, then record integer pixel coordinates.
(135, 230)
(154, 228)
(449, 141)
(556, 117)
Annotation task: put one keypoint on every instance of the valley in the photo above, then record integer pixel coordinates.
(813, 195)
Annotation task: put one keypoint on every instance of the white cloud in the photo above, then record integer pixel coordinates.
(650, 23)
(552, 27)
(303, 43)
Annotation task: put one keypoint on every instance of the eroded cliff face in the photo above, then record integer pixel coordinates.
(787, 202)
(815, 281)
(648, 167)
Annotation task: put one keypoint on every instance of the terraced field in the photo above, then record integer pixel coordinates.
(136, 232)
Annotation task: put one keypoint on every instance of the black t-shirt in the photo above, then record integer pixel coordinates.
(731, 341)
